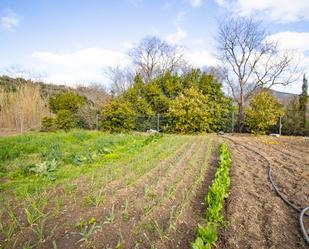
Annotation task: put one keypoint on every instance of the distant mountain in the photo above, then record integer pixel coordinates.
(283, 97)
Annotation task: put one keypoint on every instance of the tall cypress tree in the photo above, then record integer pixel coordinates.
(303, 100)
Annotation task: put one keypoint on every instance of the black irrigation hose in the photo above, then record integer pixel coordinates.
(301, 222)
(297, 209)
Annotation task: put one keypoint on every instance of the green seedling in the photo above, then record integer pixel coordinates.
(110, 217)
(33, 215)
(39, 232)
(27, 245)
(125, 214)
(86, 229)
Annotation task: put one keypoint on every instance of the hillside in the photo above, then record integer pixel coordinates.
(96, 94)
(283, 96)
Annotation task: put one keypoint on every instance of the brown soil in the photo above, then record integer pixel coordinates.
(257, 217)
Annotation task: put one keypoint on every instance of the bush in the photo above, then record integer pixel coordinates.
(190, 112)
(65, 120)
(263, 112)
(118, 116)
(65, 101)
(48, 124)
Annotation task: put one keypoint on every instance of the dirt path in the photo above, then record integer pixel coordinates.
(257, 217)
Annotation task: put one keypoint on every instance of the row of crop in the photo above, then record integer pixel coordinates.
(206, 235)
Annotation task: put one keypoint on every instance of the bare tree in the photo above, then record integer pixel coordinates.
(153, 57)
(96, 94)
(250, 60)
(121, 79)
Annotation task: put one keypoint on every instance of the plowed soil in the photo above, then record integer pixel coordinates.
(155, 199)
(160, 208)
(257, 217)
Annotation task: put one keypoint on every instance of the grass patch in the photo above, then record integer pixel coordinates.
(30, 163)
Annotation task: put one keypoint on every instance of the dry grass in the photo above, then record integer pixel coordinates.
(22, 109)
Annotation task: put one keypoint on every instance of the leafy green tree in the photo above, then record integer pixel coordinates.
(66, 120)
(292, 119)
(220, 106)
(118, 116)
(65, 101)
(263, 112)
(134, 96)
(169, 84)
(155, 97)
(190, 112)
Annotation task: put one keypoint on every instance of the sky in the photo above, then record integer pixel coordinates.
(74, 41)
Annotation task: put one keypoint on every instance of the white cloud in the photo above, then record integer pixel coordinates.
(177, 36)
(292, 40)
(201, 58)
(297, 42)
(274, 10)
(9, 21)
(196, 3)
(85, 65)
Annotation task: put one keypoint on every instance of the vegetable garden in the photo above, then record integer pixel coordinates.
(85, 189)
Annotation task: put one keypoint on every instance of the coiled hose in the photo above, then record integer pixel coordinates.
(302, 211)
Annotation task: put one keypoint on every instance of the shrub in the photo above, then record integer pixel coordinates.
(65, 101)
(48, 124)
(65, 120)
(263, 112)
(118, 116)
(190, 112)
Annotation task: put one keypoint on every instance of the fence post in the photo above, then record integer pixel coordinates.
(158, 122)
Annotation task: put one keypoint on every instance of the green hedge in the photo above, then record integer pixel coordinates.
(218, 191)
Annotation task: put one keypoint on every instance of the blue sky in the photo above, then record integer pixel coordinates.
(72, 41)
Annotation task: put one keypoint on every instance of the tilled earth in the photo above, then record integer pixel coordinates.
(159, 209)
(257, 217)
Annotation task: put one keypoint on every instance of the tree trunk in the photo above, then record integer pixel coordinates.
(241, 113)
